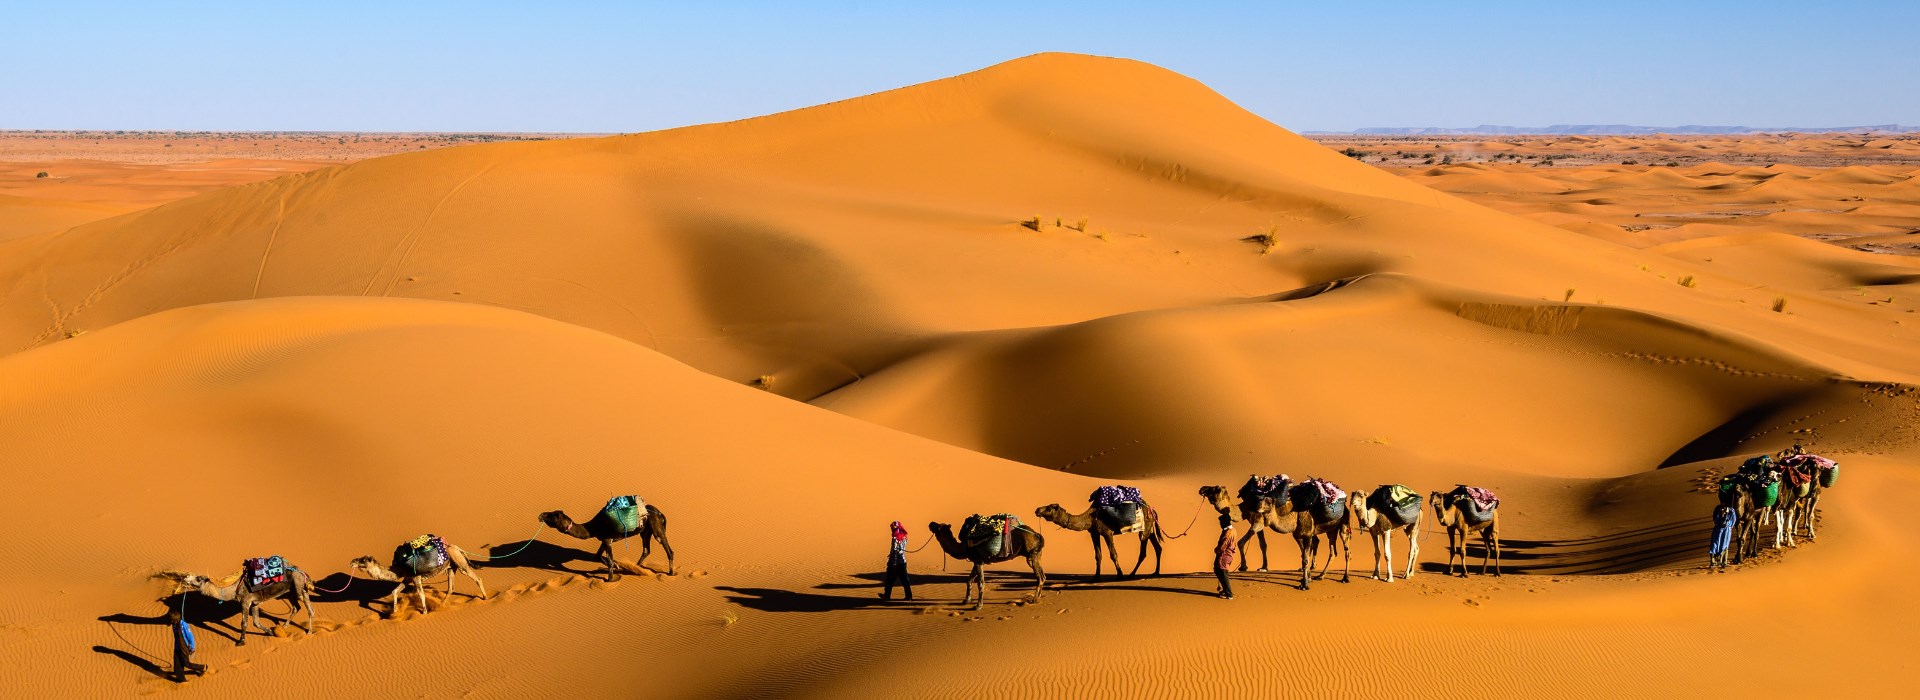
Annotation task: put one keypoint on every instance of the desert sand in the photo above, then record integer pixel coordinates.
(981, 294)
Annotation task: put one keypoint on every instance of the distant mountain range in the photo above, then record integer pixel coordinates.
(1618, 130)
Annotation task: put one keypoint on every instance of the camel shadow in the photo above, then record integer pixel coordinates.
(346, 588)
(1086, 582)
(534, 554)
(1641, 549)
(785, 601)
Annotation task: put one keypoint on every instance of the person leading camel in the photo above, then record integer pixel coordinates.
(607, 527)
(1016, 542)
(415, 563)
(1224, 554)
(290, 583)
(183, 645)
(897, 565)
(1258, 506)
(1724, 519)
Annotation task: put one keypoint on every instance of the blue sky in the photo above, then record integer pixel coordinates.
(621, 67)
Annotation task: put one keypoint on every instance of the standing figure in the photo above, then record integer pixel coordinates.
(1224, 554)
(1724, 518)
(183, 645)
(897, 565)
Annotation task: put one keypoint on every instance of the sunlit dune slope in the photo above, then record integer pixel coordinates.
(817, 246)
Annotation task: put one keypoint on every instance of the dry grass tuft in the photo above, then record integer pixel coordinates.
(763, 382)
(1688, 282)
(1033, 223)
(1780, 305)
(1266, 239)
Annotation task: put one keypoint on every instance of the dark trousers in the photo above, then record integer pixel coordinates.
(183, 658)
(1225, 585)
(896, 573)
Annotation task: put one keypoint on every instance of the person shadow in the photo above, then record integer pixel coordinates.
(210, 618)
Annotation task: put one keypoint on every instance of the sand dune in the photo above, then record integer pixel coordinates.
(1004, 289)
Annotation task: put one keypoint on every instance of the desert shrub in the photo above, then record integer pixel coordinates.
(40, 174)
(1569, 296)
(1780, 304)
(1688, 282)
(1266, 239)
(1033, 223)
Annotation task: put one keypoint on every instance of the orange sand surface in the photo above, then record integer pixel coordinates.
(976, 295)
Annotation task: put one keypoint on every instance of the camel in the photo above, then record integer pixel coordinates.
(1279, 516)
(1449, 510)
(1746, 523)
(1024, 543)
(456, 559)
(1308, 526)
(1786, 511)
(1261, 515)
(1097, 529)
(296, 587)
(603, 528)
(1380, 525)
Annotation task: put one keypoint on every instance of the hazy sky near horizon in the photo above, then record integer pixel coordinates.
(639, 66)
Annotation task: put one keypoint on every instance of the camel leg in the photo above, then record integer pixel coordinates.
(306, 601)
(1413, 548)
(1332, 548)
(1147, 539)
(1813, 510)
(420, 591)
(980, 575)
(1307, 551)
(247, 611)
(465, 568)
(1113, 552)
(660, 532)
(1144, 539)
(606, 555)
(1039, 576)
(1252, 530)
(1095, 536)
(1346, 556)
(1492, 542)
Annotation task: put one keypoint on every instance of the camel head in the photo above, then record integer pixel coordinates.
(1439, 502)
(1217, 497)
(557, 519)
(1357, 500)
(1051, 512)
(367, 565)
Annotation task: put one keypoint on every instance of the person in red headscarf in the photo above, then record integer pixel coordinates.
(897, 565)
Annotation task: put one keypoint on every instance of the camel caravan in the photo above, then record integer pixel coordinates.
(1782, 490)
(414, 563)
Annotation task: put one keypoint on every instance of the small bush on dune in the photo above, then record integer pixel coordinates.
(1266, 239)
(1569, 296)
(1687, 282)
(40, 175)
(1033, 223)
(1780, 305)
(763, 382)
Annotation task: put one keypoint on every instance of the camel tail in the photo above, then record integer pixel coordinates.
(1153, 519)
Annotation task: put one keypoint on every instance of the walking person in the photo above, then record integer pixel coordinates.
(897, 565)
(1223, 555)
(183, 645)
(1723, 521)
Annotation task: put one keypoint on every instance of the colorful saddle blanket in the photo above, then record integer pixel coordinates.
(265, 571)
(988, 534)
(625, 512)
(1258, 487)
(420, 556)
(1400, 504)
(1482, 498)
(1109, 496)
